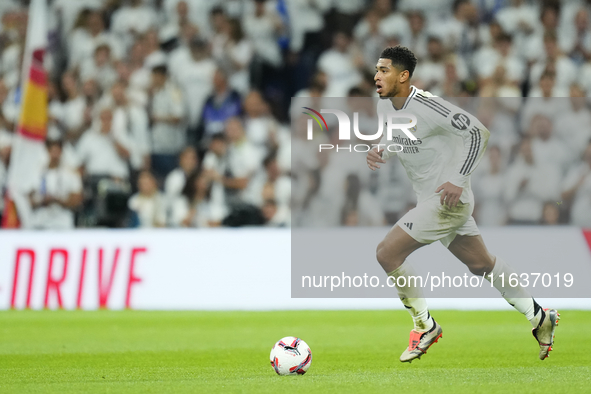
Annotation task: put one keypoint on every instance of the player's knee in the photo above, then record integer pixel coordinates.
(386, 258)
(477, 269)
(481, 267)
(382, 254)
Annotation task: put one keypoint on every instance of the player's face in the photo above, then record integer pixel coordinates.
(388, 78)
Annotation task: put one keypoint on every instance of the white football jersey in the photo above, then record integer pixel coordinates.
(450, 143)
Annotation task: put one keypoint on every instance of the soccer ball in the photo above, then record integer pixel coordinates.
(291, 356)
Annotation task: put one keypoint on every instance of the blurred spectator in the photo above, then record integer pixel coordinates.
(490, 32)
(84, 40)
(92, 93)
(263, 26)
(138, 69)
(177, 178)
(154, 56)
(543, 101)
(179, 18)
(519, 19)
(134, 119)
(568, 13)
(368, 32)
(306, 22)
(195, 76)
(577, 190)
(12, 55)
(274, 215)
(181, 55)
(269, 184)
(576, 116)
(360, 207)
(584, 77)
(418, 35)
(395, 191)
(5, 121)
(195, 207)
(501, 54)
(99, 67)
(498, 115)
(243, 160)
(54, 128)
(488, 190)
(4, 159)
(565, 71)
(196, 12)
(551, 214)
(11, 105)
(433, 10)
(168, 132)
(219, 25)
(223, 104)
(392, 22)
(132, 20)
(430, 74)
(58, 195)
(545, 146)
(234, 52)
(529, 184)
(260, 126)
(148, 205)
(341, 64)
(214, 165)
(577, 38)
(317, 86)
(536, 45)
(75, 116)
(460, 32)
(67, 12)
(104, 150)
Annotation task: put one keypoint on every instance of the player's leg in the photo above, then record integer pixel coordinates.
(396, 246)
(392, 253)
(471, 250)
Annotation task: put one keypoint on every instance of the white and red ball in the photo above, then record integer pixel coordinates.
(291, 356)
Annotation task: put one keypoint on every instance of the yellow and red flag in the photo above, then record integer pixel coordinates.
(28, 145)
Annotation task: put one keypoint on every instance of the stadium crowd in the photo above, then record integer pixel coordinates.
(172, 113)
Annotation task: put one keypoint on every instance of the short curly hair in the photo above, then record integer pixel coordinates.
(401, 57)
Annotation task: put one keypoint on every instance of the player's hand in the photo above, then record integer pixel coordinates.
(374, 157)
(450, 194)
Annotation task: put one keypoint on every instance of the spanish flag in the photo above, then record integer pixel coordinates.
(28, 145)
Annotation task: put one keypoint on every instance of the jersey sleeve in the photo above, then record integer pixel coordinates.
(474, 140)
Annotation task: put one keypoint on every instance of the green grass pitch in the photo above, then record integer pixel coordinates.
(228, 352)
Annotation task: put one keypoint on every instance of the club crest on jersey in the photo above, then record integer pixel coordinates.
(460, 121)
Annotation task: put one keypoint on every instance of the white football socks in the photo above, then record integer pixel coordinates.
(412, 297)
(518, 297)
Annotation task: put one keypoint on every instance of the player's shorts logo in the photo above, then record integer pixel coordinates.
(460, 121)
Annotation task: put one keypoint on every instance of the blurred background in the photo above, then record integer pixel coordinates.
(168, 113)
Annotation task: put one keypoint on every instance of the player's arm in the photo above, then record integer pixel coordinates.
(474, 140)
(374, 156)
(380, 154)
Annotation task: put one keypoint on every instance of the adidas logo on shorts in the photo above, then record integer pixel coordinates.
(409, 225)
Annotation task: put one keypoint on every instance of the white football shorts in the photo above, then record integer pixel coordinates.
(430, 221)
